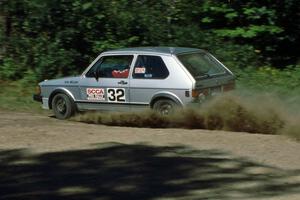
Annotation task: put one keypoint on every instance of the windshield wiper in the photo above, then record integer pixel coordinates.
(205, 75)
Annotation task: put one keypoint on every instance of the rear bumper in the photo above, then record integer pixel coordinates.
(37, 97)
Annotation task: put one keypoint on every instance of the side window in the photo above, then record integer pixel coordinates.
(111, 67)
(150, 67)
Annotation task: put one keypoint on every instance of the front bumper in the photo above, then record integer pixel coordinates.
(38, 98)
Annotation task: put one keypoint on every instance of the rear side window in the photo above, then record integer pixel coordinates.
(201, 64)
(150, 67)
(112, 67)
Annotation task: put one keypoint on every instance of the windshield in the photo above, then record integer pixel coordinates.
(201, 64)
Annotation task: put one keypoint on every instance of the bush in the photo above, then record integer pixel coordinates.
(270, 79)
(8, 69)
(57, 38)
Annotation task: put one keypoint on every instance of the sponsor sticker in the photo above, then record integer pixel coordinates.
(140, 70)
(95, 94)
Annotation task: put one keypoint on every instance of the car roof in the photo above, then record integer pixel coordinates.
(163, 50)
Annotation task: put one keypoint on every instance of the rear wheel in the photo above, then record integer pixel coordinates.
(63, 107)
(165, 106)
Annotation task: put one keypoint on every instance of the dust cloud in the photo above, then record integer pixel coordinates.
(266, 114)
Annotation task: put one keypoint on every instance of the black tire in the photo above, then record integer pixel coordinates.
(63, 107)
(165, 106)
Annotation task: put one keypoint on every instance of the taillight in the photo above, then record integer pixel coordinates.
(195, 93)
(229, 86)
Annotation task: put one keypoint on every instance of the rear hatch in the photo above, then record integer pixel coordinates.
(211, 76)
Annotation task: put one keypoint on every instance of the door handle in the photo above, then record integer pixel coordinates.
(122, 82)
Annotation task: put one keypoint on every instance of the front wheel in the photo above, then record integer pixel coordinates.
(63, 107)
(165, 106)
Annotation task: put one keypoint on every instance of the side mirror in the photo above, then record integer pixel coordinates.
(96, 75)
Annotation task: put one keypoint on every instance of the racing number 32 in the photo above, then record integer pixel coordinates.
(116, 94)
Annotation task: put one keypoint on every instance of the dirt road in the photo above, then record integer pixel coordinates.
(45, 158)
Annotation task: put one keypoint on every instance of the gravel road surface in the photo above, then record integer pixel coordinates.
(45, 158)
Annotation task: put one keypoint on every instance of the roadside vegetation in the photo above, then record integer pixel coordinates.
(17, 96)
(53, 38)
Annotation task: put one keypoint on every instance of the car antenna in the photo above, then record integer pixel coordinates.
(172, 49)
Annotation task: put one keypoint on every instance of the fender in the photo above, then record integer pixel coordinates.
(165, 95)
(59, 90)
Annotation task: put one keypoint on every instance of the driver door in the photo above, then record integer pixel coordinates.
(111, 90)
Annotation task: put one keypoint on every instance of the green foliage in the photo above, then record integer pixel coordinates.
(8, 69)
(54, 38)
(17, 96)
(251, 31)
(272, 28)
(283, 83)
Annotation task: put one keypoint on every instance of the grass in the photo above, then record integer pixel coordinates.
(17, 96)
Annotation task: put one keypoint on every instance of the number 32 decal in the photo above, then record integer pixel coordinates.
(116, 95)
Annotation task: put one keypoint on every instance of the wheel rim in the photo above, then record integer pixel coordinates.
(61, 106)
(166, 109)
